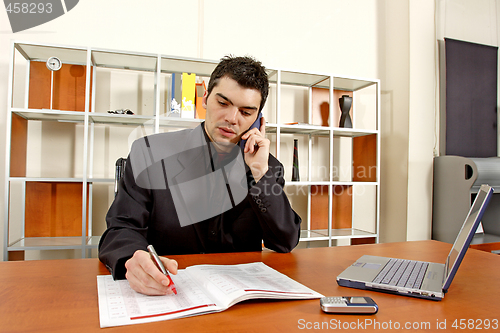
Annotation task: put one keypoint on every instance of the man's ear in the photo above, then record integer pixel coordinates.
(204, 100)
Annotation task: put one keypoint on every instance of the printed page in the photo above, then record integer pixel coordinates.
(120, 305)
(230, 284)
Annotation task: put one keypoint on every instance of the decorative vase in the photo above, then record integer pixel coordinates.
(345, 106)
(295, 168)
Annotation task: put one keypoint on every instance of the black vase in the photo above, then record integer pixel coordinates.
(345, 106)
(295, 168)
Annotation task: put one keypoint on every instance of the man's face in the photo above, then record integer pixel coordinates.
(231, 110)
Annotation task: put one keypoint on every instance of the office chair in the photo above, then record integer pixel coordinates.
(119, 170)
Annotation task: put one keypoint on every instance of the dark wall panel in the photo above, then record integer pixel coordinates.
(471, 99)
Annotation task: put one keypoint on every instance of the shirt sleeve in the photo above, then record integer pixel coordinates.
(279, 222)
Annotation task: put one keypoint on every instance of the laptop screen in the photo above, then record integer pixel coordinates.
(465, 235)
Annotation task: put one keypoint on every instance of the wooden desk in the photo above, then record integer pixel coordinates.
(61, 295)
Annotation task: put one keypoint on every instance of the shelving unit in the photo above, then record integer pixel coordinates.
(63, 143)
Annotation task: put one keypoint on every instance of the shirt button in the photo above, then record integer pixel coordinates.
(258, 201)
(263, 210)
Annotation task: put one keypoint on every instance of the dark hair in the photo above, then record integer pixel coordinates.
(247, 71)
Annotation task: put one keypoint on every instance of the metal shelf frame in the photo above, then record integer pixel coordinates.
(162, 66)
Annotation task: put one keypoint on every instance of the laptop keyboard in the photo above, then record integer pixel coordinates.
(402, 273)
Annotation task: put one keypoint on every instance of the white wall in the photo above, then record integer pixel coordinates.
(393, 69)
(392, 40)
(422, 50)
(476, 22)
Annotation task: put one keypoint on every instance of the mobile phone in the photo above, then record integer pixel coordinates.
(256, 124)
(348, 304)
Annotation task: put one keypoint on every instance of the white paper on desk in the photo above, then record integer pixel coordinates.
(201, 289)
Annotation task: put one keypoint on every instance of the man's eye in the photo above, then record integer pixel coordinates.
(222, 103)
(245, 113)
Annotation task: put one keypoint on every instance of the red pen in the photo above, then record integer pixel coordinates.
(158, 262)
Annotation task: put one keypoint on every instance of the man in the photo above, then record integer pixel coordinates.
(190, 191)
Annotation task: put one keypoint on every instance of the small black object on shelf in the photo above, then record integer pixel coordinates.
(295, 168)
(121, 111)
(345, 106)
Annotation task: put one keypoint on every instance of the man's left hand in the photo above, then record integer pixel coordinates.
(256, 150)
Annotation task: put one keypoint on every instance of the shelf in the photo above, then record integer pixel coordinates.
(187, 65)
(179, 122)
(347, 84)
(101, 180)
(322, 131)
(351, 233)
(322, 234)
(120, 119)
(71, 55)
(103, 118)
(110, 180)
(170, 64)
(322, 81)
(46, 243)
(326, 183)
(307, 183)
(124, 60)
(48, 114)
(304, 79)
(53, 243)
(352, 133)
(313, 235)
(46, 179)
(306, 129)
(351, 84)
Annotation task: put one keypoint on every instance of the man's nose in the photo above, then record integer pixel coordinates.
(231, 115)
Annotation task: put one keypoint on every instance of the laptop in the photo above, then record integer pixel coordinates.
(417, 278)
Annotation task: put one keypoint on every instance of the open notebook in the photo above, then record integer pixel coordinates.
(201, 289)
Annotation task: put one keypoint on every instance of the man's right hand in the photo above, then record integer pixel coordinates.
(145, 277)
